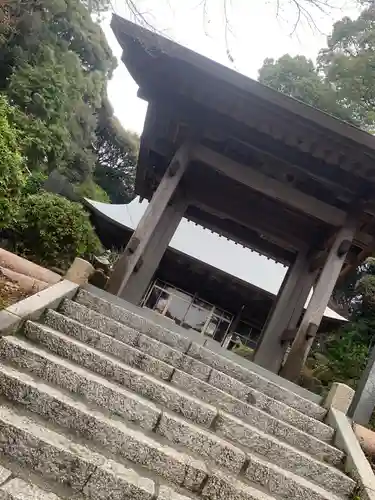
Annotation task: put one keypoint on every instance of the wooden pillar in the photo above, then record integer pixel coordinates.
(131, 259)
(236, 320)
(139, 281)
(319, 301)
(285, 314)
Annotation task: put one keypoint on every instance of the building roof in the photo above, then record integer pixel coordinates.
(209, 248)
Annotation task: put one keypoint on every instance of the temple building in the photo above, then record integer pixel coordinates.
(255, 166)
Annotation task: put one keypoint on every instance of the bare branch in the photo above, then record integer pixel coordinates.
(306, 12)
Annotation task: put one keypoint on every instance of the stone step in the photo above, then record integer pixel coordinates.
(67, 463)
(111, 432)
(137, 357)
(174, 466)
(234, 397)
(100, 393)
(18, 489)
(148, 345)
(95, 476)
(319, 469)
(178, 431)
(5, 475)
(145, 385)
(111, 313)
(286, 485)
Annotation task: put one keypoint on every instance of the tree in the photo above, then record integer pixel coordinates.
(12, 177)
(117, 152)
(349, 65)
(299, 78)
(55, 68)
(343, 83)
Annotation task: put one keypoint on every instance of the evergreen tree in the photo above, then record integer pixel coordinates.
(54, 66)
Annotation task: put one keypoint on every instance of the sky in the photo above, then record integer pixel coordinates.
(256, 32)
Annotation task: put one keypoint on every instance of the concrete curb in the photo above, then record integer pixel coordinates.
(80, 271)
(356, 464)
(33, 307)
(339, 397)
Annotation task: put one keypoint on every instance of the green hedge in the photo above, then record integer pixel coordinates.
(52, 230)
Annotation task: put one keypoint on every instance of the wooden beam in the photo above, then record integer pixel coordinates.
(363, 239)
(241, 235)
(361, 257)
(270, 187)
(251, 222)
(319, 301)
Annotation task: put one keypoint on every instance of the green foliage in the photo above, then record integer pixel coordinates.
(349, 64)
(89, 189)
(342, 356)
(298, 78)
(11, 164)
(54, 67)
(343, 82)
(56, 111)
(52, 230)
(117, 152)
(347, 353)
(244, 351)
(34, 183)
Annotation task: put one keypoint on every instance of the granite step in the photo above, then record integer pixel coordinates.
(100, 393)
(110, 314)
(144, 384)
(90, 319)
(60, 460)
(5, 475)
(18, 352)
(61, 409)
(18, 489)
(94, 476)
(175, 466)
(136, 356)
(98, 389)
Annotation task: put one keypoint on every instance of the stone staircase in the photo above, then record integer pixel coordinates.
(100, 403)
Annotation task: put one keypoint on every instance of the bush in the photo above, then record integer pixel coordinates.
(244, 351)
(52, 230)
(11, 163)
(34, 183)
(89, 189)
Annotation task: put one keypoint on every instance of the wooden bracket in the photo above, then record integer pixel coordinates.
(344, 248)
(311, 330)
(133, 245)
(173, 168)
(138, 265)
(288, 335)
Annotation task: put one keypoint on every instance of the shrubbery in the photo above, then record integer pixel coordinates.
(52, 230)
(11, 162)
(34, 183)
(244, 351)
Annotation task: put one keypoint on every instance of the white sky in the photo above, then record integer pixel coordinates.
(257, 33)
